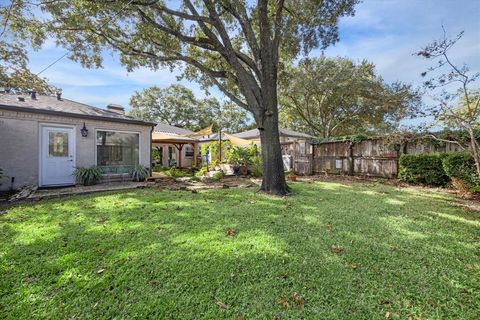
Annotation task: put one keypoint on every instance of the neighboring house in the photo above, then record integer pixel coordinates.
(289, 140)
(295, 145)
(44, 138)
(174, 146)
(179, 147)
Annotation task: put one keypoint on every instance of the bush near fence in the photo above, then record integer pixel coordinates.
(426, 168)
(438, 169)
(461, 165)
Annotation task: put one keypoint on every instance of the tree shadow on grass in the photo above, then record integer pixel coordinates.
(166, 255)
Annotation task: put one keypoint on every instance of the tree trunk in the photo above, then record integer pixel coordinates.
(273, 173)
(475, 151)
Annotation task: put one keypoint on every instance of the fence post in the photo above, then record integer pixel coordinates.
(351, 159)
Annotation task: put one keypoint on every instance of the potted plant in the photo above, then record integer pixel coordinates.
(291, 176)
(240, 158)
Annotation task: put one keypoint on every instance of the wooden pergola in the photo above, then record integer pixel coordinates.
(179, 142)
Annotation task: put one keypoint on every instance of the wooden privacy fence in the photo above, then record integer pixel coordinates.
(372, 157)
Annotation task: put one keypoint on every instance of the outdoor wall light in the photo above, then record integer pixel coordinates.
(84, 131)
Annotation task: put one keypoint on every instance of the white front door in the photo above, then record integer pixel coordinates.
(57, 156)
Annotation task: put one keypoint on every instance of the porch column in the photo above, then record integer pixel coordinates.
(194, 145)
(179, 147)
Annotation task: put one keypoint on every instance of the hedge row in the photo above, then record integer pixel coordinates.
(436, 169)
(424, 168)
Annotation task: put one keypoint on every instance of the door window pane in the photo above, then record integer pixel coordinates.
(57, 144)
(117, 152)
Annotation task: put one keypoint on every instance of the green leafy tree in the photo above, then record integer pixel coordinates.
(177, 105)
(16, 32)
(234, 45)
(225, 116)
(335, 97)
(453, 89)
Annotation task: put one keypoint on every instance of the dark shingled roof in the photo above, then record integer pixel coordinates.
(65, 107)
(172, 130)
(254, 133)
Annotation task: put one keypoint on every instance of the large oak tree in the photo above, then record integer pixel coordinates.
(235, 45)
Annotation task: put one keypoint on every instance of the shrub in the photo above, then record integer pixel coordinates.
(156, 155)
(177, 173)
(139, 173)
(213, 149)
(460, 165)
(257, 167)
(200, 173)
(239, 156)
(88, 176)
(425, 168)
(218, 176)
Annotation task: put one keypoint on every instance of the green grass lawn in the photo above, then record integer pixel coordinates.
(399, 253)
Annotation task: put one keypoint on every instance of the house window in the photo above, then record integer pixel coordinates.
(188, 151)
(117, 152)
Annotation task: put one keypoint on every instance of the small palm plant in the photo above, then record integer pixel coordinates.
(140, 173)
(88, 176)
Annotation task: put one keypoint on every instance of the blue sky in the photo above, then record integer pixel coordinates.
(386, 32)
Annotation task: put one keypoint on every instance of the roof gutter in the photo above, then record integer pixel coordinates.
(75, 115)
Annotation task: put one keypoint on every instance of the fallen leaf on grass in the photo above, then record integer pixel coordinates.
(284, 302)
(336, 249)
(329, 228)
(354, 266)
(298, 300)
(222, 305)
(28, 279)
(230, 232)
(391, 314)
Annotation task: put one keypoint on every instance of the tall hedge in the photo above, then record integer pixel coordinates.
(424, 168)
(461, 165)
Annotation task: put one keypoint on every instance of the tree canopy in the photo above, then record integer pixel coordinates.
(177, 105)
(16, 33)
(335, 97)
(235, 45)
